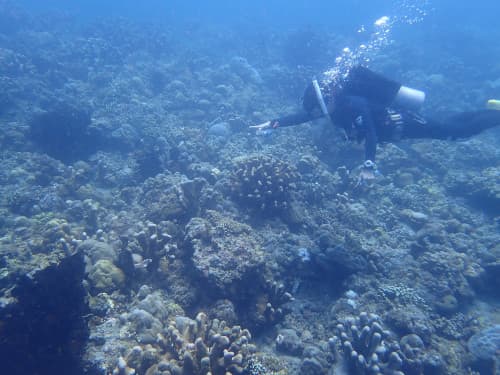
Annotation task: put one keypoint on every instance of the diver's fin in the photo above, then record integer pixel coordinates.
(493, 104)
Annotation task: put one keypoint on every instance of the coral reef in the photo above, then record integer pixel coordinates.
(131, 187)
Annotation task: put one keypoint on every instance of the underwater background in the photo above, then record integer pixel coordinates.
(146, 229)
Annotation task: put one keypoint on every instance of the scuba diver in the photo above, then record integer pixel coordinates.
(372, 108)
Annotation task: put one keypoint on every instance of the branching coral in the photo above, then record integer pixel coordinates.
(367, 347)
(203, 346)
(271, 305)
(263, 182)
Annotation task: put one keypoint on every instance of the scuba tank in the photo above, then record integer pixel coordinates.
(493, 104)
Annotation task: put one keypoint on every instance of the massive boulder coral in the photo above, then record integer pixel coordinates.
(170, 197)
(105, 276)
(482, 187)
(225, 252)
(64, 132)
(263, 182)
(42, 316)
(484, 347)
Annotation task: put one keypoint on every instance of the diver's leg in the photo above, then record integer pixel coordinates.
(415, 126)
(463, 125)
(468, 124)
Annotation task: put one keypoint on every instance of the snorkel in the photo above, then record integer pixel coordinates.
(319, 96)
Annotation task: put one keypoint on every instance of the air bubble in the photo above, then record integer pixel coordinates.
(405, 12)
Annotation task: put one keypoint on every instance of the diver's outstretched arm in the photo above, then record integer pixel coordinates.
(290, 120)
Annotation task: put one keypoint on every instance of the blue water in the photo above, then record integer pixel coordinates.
(467, 30)
(461, 28)
(278, 13)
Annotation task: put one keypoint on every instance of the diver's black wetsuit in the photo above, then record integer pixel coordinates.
(362, 106)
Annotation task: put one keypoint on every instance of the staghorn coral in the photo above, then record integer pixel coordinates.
(203, 346)
(263, 182)
(367, 347)
(152, 241)
(271, 304)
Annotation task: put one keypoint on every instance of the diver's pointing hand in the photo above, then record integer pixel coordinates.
(264, 125)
